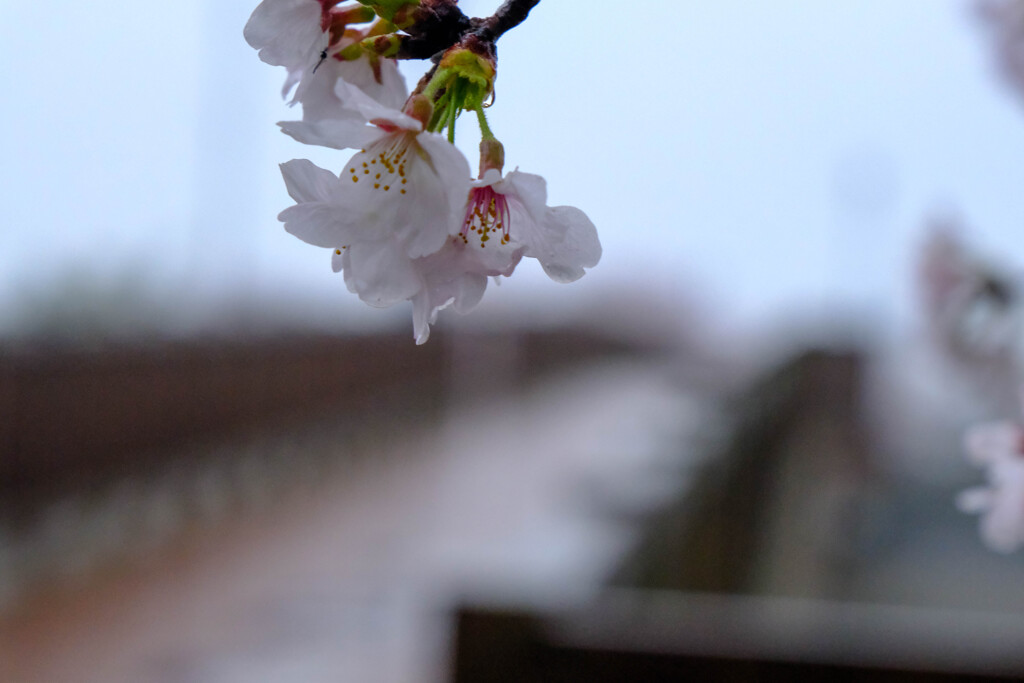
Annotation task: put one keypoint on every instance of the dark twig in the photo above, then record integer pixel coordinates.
(439, 25)
(508, 16)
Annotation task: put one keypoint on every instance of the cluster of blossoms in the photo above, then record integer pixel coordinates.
(404, 219)
(975, 312)
(976, 315)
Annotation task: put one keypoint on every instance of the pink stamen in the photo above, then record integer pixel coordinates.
(486, 212)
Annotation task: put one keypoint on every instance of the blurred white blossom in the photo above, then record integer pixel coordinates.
(999, 448)
(1004, 20)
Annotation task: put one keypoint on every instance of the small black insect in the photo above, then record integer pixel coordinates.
(323, 57)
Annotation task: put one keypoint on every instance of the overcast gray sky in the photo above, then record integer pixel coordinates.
(763, 156)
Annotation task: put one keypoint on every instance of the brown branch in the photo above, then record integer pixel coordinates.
(441, 24)
(508, 16)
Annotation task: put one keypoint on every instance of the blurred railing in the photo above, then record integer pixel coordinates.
(106, 455)
(743, 577)
(72, 418)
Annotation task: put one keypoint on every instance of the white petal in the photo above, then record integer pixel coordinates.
(453, 170)
(294, 76)
(469, 291)
(381, 274)
(348, 133)
(356, 100)
(491, 177)
(977, 499)
(562, 238)
(346, 266)
(579, 248)
(462, 293)
(438, 175)
(530, 189)
(286, 32)
(421, 317)
(315, 223)
(390, 91)
(990, 442)
(1002, 527)
(307, 182)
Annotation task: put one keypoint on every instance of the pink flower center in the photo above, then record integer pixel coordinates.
(487, 214)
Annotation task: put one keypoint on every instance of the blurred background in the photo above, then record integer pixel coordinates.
(216, 464)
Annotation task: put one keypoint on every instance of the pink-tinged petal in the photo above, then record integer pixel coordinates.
(381, 273)
(307, 182)
(354, 99)
(579, 248)
(351, 133)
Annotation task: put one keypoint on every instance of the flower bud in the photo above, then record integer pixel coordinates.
(419, 108)
(468, 62)
(399, 12)
(492, 155)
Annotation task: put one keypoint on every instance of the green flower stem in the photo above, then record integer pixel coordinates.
(440, 108)
(485, 130)
(453, 113)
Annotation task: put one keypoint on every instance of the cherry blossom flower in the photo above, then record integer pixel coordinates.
(999, 448)
(505, 219)
(305, 36)
(395, 200)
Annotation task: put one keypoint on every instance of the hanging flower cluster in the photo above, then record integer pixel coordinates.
(403, 218)
(974, 311)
